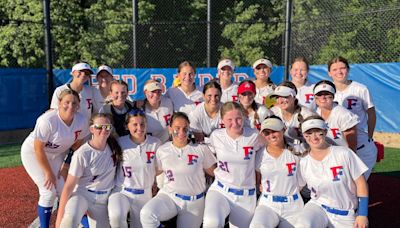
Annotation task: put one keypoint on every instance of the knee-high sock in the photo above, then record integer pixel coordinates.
(44, 214)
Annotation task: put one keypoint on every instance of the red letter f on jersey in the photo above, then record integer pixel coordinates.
(150, 155)
(291, 167)
(248, 150)
(336, 171)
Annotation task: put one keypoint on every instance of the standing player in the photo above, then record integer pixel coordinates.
(91, 177)
(264, 86)
(299, 72)
(159, 110)
(233, 192)
(184, 165)
(339, 191)
(135, 176)
(356, 98)
(186, 96)
(88, 94)
(43, 151)
(280, 202)
(104, 77)
(226, 67)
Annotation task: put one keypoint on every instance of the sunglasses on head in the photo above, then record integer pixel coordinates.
(136, 112)
(107, 127)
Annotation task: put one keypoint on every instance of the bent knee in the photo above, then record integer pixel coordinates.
(212, 222)
(148, 218)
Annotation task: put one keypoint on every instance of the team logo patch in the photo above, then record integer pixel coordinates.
(89, 103)
(192, 158)
(77, 133)
(51, 145)
(248, 151)
(351, 102)
(150, 156)
(309, 97)
(336, 133)
(167, 118)
(291, 168)
(336, 172)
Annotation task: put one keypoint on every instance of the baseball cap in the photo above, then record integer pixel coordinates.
(246, 87)
(324, 88)
(82, 66)
(226, 62)
(313, 123)
(105, 68)
(272, 124)
(262, 61)
(152, 86)
(283, 91)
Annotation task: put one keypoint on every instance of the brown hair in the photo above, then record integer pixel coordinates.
(338, 59)
(229, 106)
(301, 59)
(119, 82)
(178, 115)
(212, 84)
(184, 64)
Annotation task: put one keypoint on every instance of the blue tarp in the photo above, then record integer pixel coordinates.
(24, 91)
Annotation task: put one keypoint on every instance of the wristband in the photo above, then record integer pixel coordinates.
(363, 206)
(68, 159)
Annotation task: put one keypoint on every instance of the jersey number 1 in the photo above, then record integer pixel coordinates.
(127, 171)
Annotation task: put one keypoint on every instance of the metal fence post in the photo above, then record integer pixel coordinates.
(208, 33)
(135, 19)
(48, 49)
(288, 31)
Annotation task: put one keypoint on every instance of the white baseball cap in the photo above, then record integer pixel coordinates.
(262, 61)
(283, 91)
(152, 86)
(324, 88)
(313, 123)
(272, 124)
(82, 66)
(105, 68)
(226, 62)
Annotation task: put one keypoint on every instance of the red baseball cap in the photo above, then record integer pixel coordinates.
(247, 87)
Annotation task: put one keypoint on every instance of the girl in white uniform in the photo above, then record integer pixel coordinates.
(356, 98)
(135, 176)
(43, 151)
(104, 77)
(280, 202)
(91, 177)
(342, 124)
(339, 191)
(233, 192)
(184, 165)
(186, 96)
(264, 86)
(299, 72)
(255, 112)
(158, 109)
(206, 117)
(226, 67)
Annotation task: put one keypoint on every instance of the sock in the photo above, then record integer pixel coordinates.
(44, 214)
(85, 221)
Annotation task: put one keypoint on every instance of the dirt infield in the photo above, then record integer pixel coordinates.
(19, 198)
(388, 139)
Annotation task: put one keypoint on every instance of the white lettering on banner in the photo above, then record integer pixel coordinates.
(162, 79)
(130, 79)
(202, 78)
(238, 77)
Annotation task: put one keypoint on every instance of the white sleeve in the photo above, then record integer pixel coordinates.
(77, 165)
(211, 144)
(347, 120)
(195, 122)
(54, 99)
(259, 157)
(209, 158)
(85, 129)
(42, 130)
(299, 177)
(356, 166)
(367, 99)
(98, 100)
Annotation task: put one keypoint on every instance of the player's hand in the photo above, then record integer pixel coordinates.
(361, 222)
(49, 180)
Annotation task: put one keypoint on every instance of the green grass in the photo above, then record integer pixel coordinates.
(10, 156)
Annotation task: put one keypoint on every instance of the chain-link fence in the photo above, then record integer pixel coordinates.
(362, 31)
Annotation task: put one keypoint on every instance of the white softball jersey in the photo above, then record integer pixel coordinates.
(184, 167)
(138, 167)
(230, 93)
(158, 120)
(357, 99)
(305, 95)
(339, 120)
(331, 181)
(262, 93)
(202, 123)
(236, 157)
(89, 99)
(262, 112)
(279, 176)
(183, 102)
(94, 168)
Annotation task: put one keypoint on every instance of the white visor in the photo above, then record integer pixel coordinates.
(313, 123)
(283, 91)
(272, 124)
(105, 68)
(324, 88)
(82, 66)
(226, 62)
(152, 86)
(262, 61)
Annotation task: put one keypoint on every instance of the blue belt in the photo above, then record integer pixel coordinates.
(335, 211)
(190, 198)
(134, 191)
(98, 192)
(238, 192)
(282, 199)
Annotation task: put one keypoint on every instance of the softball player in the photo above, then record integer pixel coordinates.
(264, 86)
(342, 124)
(226, 67)
(299, 72)
(43, 151)
(90, 177)
(135, 176)
(339, 191)
(183, 193)
(186, 96)
(233, 192)
(288, 109)
(255, 112)
(280, 202)
(159, 110)
(88, 95)
(119, 107)
(104, 77)
(206, 116)
(356, 98)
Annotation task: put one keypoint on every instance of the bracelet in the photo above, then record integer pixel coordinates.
(363, 206)
(68, 159)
